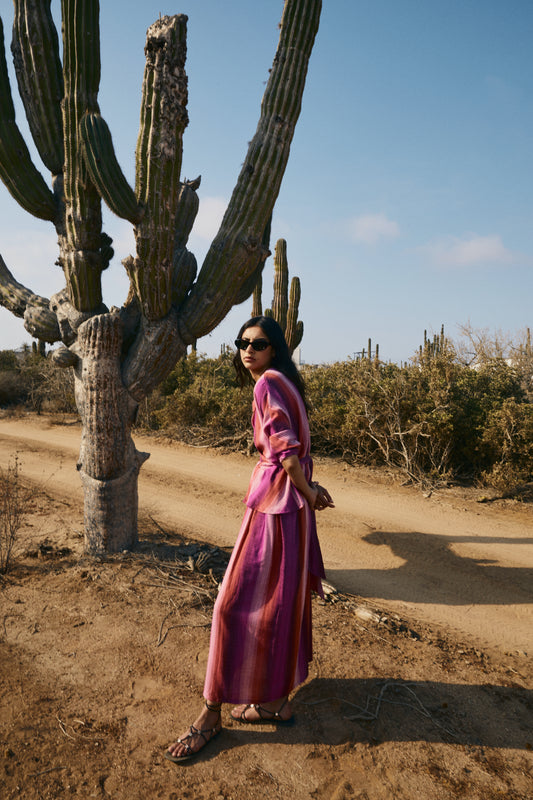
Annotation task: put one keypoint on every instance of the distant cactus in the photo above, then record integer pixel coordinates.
(284, 305)
(119, 356)
(368, 354)
(433, 347)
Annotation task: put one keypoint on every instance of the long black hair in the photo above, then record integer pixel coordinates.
(282, 360)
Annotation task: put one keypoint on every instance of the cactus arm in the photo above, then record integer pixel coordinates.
(38, 319)
(104, 169)
(254, 279)
(187, 209)
(257, 305)
(184, 262)
(152, 355)
(294, 329)
(299, 334)
(15, 296)
(42, 323)
(22, 179)
(281, 284)
(80, 258)
(163, 270)
(37, 63)
(284, 306)
(248, 288)
(236, 249)
(17, 171)
(158, 164)
(183, 275)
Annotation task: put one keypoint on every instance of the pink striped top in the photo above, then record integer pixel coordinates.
(281, 429)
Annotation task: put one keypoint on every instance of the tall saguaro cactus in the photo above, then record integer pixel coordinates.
(285, 304)
(120, 355)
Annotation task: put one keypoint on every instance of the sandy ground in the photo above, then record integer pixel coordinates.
(421, 686)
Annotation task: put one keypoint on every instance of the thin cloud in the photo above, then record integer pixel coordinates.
(370, 228)
(469, 251)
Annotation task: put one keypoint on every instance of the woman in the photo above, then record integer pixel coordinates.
(261, 632)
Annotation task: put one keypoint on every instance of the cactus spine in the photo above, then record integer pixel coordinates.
(118, 357)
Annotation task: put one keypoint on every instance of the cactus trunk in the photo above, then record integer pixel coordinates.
(118, 357)
(109, 463)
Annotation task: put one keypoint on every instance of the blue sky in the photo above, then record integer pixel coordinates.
(408, 199)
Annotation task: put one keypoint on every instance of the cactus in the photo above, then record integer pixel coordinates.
(433, 347)
(17, 170)
(368, 354)
(285, 305)
(120, 355)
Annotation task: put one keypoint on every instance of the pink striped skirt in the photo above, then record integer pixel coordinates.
(261, 641)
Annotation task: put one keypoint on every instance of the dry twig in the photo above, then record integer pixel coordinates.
(44, 772)
(368, 715)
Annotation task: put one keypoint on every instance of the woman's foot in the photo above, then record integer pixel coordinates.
(204, 728)
(277, 712)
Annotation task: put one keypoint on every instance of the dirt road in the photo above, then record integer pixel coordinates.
(445, 560)
(102, 661)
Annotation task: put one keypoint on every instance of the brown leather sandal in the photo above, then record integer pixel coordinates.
(207, 734)
(273, 719)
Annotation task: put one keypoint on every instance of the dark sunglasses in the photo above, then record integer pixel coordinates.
(257, 344)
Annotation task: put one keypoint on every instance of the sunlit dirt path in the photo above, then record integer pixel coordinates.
(465, 566)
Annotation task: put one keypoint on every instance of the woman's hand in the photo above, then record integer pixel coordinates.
(323, 498)
(315, 494)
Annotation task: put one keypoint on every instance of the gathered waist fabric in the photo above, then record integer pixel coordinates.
(305, 461)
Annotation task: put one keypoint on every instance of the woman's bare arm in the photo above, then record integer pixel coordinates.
(317, 497)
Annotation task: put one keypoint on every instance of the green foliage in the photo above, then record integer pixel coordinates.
(435, 419)
(508, 441)
(8, 360)
(12, 389)
(382, 414)
(36, 382)
(200, 402)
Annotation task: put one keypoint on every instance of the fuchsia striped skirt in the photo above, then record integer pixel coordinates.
(261, 640)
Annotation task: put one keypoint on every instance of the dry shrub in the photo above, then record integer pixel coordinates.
(35, 381)
(14, 499)
(508, 436)
(435, 419)
(200, 403)
(12, 388)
